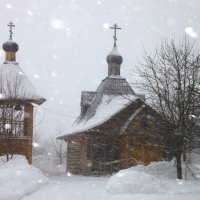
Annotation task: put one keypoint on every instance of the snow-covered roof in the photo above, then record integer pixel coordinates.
(109, 106)
(111, 86)
(15, 85)
(113, 95)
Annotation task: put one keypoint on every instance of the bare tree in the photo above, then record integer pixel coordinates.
(36, 137)
(59, 148)
(171, 80)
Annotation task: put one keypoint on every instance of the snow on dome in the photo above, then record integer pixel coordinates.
(109, 106)
(114, 51)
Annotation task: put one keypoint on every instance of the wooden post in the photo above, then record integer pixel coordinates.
(28, 130)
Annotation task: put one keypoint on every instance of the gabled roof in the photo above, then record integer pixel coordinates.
(15, 85)
(112, 96)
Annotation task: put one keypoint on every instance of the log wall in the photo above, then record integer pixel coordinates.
(103, 150)
(22, 144)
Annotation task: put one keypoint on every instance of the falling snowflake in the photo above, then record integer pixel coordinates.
(106, 25)
(56, 24)
(1, 96)
(55, 56)
(40, 181)
(7, 126)
(30, 13)
(99, 2)
(36, 76)
(8, 6)
(54, 74)
(69, 174)
(51, 98)
(20, 73)
(35, 144)
(190, 31)
(192, 116)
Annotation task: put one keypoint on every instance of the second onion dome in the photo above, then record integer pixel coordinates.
(114, 56)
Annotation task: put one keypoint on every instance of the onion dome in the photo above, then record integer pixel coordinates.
(10, 46)
(114, 56)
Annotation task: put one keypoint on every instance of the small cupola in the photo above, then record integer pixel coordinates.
(114, 59)
(10, 47)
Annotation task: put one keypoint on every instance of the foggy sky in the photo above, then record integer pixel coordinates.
(63, 44)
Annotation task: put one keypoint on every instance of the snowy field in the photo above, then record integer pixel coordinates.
(87, 188)
(18, 178)
(21, 181)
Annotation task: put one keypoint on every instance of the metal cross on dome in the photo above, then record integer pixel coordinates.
(115, 27)
(11, 25)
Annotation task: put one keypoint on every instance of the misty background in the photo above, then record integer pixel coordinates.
(63, 45)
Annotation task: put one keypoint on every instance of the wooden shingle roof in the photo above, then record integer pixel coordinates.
(111, 85)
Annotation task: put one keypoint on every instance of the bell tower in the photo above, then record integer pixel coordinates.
(18, 98)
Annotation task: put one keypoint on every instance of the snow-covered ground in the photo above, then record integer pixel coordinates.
(18, 180)
(94, 188)
(156, 178)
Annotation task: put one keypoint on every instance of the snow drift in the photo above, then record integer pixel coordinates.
(157, 177)
(18, 178)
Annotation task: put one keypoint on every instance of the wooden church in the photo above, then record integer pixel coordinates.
(17, 100)
(116, 129)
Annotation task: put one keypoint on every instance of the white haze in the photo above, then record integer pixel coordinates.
(64, 44)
